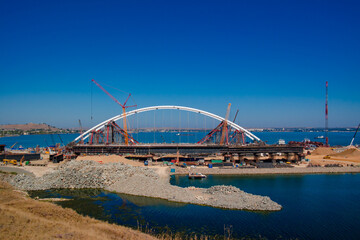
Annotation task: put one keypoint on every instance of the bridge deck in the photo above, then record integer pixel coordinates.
(189, 149)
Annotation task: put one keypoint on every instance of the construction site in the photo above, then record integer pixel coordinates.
(227, 142)
(226, 145)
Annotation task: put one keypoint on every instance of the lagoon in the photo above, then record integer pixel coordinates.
(319, 206)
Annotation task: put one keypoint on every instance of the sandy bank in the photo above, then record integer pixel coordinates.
(109, 159)
(323, 156)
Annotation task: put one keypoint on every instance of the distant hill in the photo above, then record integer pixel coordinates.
(28, 126)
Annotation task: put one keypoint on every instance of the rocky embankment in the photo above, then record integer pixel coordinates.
(140, 181)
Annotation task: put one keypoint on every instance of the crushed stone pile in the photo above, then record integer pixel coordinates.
(140, 181)
(81, 174)
(223, 189)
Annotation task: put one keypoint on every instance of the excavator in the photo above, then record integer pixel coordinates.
(13, 161)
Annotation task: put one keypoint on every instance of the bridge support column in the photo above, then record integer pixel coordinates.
(289, 156)
(273, 158)
(241, 158)
(227, 157)
(257, 157)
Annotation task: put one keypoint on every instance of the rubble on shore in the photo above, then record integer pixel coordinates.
(141, 181)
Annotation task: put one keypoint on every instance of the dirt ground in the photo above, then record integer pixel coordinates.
(109, 159)
(26, 218)
(322, 156)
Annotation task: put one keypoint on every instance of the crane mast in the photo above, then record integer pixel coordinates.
(224, 129)
(81, 132)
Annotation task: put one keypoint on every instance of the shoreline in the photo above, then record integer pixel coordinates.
(154, 182)
(141, 181)
(268, 171)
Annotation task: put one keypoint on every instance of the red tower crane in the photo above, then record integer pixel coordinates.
(123, 106)
(326, 118)
(225, 127)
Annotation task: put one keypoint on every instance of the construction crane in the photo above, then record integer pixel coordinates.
(13, 145)
(237, 111)
(352, 140)
(224, 129)
(81, 132)
(123, 106)
(326, 118)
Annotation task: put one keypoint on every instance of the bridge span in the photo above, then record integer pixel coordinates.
(253, 152)
(102, 140)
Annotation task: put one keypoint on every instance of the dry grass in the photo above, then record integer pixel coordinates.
(25, 218)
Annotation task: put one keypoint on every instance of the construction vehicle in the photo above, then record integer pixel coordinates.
(13, 161)
(21, 160)
(10, 161)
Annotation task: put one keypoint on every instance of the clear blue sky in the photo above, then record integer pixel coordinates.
(270, 59)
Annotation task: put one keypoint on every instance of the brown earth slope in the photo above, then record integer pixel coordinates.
(24, 218)
(322, 151)
(109, 159)
(28, 126)
(352, 153)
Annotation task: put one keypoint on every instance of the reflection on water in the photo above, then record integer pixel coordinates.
(314, 207)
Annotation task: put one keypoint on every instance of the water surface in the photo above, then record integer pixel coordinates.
(323, 206)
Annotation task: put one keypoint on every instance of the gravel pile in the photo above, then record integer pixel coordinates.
(140, 181)
(222, 189)
(81, 174)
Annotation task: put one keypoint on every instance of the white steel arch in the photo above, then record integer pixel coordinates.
(188, 109)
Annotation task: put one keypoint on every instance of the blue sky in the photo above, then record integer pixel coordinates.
(270, 59)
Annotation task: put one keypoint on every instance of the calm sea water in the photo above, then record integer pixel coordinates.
(314, 207)
(335, 138)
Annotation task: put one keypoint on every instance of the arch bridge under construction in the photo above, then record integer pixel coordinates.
(227, 139)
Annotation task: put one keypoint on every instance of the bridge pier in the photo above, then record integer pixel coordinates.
(257, 157)
(227, 157)
(241, 158)
(273, 158)
(289, 156)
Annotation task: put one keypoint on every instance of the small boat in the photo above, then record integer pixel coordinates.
(319, 137)
(196, 176)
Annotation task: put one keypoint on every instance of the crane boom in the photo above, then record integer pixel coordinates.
(352, 140)
(81, 132)
(224, 129)
(237, 111)
(111, 96)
